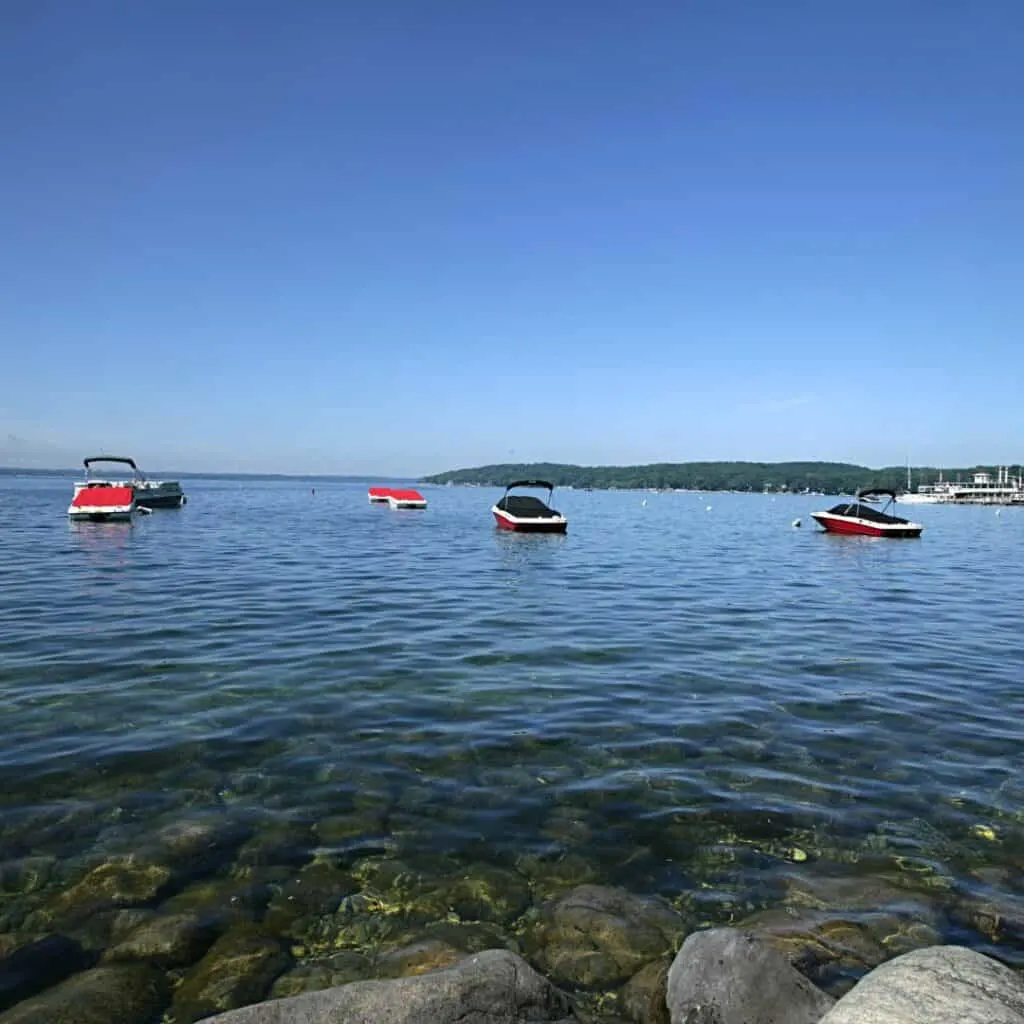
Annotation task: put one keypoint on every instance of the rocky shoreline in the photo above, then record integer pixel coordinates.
(210, 918)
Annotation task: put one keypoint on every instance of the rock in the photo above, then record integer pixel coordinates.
(173, 940)
(227, 901)
(316, 890)
(725, 976)
(418, 958)
(119, 882)
(128, 994)
(29, 969)
(339, 969)
(642, 998)
(495, 987)
(939, 985)
(197, 845)
(597, 937)
(239, 969)
(26, 875)
(283, 844)
(485, 893)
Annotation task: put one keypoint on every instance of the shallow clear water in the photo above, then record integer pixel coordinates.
(703, 695)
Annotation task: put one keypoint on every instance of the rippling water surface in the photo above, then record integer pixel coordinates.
(699, 702)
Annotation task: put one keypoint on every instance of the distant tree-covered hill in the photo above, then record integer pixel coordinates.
(830, 477)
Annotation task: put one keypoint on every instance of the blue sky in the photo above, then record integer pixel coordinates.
(403, 237)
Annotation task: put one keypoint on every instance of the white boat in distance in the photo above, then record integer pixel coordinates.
(982, 490)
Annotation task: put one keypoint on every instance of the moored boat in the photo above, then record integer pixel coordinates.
(525, 513)
(407, 498)
(147, 494)
(859, 517)
(378, 495)
(103, 503)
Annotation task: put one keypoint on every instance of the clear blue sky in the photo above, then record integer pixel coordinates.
(408, 236)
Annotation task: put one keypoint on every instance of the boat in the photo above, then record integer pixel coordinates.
(859, 517)
(147, 493)
(406, 499)
(525, 513)
(1004, 489)
(379, 495)
(103, 502)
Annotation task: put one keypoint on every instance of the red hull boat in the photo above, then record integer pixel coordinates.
(857, 518)
(523, 513)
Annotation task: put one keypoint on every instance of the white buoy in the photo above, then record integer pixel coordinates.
(708, 509)
(797, 523)
(643, 501)
(999, 511)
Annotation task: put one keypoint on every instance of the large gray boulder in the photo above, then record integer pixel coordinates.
(494, 987)
(939, 985)
(725, 976)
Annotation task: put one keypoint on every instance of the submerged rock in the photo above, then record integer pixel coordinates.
(597, 937)
(725, 976)
(26, 875)
(239, 969)
(30, 968)
(642, 998)
(172, 940)
(317, 890)
(418, 958)
(127, 994)
(495, 987)
(119, 882)
(940, 985)
(227, 901)
(314, 975)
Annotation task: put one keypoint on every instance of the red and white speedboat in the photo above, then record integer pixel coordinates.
(526, 514)
(103, 503)
(856, 517)
(407, 498)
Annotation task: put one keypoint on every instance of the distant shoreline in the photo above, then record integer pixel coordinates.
(771, 477)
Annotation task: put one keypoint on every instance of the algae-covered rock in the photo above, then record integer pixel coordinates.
(597, 937)
(317, 890)
(125, 993)
(486, 893)
(227, 901)
(237, 970)
(418, 958)
(34, 966)
(642, 998)
(282, 844)
(314, 975)
(338, 831)
(26, 874)
(171, 940)
(119, 882)
(556, 874)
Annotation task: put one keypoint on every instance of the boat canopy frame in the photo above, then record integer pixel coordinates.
(550, 488)
(88, 463)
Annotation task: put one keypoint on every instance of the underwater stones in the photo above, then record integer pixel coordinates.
(171, 940)
(238, 969)
(725, 976)
(940, 985)
(998, 921)
(226, 901)
(32, 967)
(567, 825)
(197, 845)
(286, 844)
(558, 873)
(329, 972)
(338, 831)
(119, 882)
(487, 893)
(125, 993)
(495, 987)
(597, 937)
(418, 958)
(26, 874)
(642, 998)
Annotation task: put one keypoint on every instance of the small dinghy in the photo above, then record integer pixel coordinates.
(858, 517)
(525, 513)
(406, 499)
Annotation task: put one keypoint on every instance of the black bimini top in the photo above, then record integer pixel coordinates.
(881, 492)
(531, 483)
(855, 508)
(109, 458)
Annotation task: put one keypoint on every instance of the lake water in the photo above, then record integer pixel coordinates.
(703, 703)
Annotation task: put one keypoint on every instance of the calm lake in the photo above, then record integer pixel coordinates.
(702, 703)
